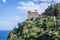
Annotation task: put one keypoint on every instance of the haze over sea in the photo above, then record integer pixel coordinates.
(4, 34)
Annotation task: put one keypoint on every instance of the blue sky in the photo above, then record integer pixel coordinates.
(14, 11)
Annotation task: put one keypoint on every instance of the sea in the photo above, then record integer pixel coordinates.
(4, 34)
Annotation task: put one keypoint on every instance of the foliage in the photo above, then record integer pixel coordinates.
(35, 30)
(41, 29)
(53, 10)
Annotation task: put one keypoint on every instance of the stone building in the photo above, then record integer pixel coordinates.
(33, 15)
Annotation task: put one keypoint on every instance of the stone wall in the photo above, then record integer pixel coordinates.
(32, 14)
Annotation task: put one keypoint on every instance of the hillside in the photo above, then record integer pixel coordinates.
(38, 29)
(53, 10)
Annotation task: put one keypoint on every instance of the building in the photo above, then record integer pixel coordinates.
(33, 15)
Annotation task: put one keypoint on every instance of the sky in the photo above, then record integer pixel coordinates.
(14, 11)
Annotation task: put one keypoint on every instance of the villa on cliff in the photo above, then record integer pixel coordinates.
(34, 15)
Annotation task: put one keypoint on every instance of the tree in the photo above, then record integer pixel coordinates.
(42, 29)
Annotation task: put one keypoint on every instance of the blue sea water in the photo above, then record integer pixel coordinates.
(4, 34)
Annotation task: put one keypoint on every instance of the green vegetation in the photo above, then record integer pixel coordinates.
(40, 29)
(53, 10)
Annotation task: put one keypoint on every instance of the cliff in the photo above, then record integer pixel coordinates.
(38, 29)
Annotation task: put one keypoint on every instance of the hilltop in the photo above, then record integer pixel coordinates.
(53, 10)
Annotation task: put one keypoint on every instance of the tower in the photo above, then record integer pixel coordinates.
(32, 14)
